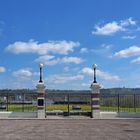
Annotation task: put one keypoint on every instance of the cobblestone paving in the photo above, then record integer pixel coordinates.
(70, 129)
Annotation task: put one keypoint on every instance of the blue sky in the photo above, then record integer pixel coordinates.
(68, 37)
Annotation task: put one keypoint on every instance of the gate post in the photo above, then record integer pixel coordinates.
(41, 96)
(95, 97)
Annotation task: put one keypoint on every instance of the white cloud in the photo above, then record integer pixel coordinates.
(64, 78)
(106, 46)
(58, 47)
(103, 75)
(127, 22)
(86, 84)
(128, 37)
(107, 29)
(87, 71)
(75, 60)
(83, 50)
(2, 69)
(22, 74)
(136, 61)
(113, 27)
(48, 60)
(71, 69)
(131, 51)
(66, 69)
(44, 58)
(105, 50)
(107, 76)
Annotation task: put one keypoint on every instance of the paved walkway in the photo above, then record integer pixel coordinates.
(70, 129)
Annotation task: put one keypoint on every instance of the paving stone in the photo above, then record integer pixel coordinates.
(70, 129)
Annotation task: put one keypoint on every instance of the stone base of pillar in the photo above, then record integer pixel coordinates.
(95, 114)
(95, 100)
(41, 114)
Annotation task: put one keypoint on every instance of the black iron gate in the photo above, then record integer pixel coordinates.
(68, 104)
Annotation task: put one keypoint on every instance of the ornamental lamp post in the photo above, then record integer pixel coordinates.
(40, 68)
(95, 96)
(41, 95)
(94, 68)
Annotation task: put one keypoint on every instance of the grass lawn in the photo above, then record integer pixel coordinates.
(65, 107)
(84, 107)
(20, 107)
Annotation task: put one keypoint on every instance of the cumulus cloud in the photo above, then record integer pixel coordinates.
(107, 76)
(101, 74)
(87, 71)
(22, 74)
(106, 46)
(128, 37)
(86, 84)
(127, 22)
(107, 29)
(113, 27)
(2, 69)
(75, 60)
(66, 69)
(44, 59)
(51, 60)
(131, 51)
(64, 78)
(83, 50)
(136, 61)
(58, 47)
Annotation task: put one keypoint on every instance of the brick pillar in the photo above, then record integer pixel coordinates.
(95, 100)
(41, 100)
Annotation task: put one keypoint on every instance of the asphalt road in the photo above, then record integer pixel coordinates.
(70, 129)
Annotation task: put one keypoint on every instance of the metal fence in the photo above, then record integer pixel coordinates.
(69, 103)
(60, 103)
(120, 102)
(19, 102)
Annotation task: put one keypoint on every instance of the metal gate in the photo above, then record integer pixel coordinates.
(68, 104)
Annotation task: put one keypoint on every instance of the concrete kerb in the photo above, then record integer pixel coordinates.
(69, 119)
(117, 115)
(103, 115)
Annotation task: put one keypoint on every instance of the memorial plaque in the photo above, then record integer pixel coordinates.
(40, 102)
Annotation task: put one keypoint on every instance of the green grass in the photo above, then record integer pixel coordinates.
(121, 109)
(65, 107)
(20, 107)
(85, 107)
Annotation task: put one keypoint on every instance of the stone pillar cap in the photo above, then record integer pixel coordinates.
(40, 85)
(95, 85)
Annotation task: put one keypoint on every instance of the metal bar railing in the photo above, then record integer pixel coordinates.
(112, 102)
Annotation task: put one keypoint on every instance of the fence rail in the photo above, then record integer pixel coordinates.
(70, 103)
(120, 102)
(18, 102)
